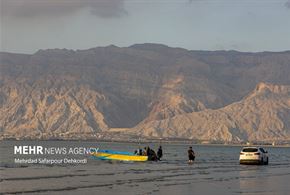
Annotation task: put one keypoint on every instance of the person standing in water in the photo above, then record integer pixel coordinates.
(140, 151)
(191, 155)
(159, 153)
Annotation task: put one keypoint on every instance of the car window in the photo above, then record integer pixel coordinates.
(250, 150)
(262, 150)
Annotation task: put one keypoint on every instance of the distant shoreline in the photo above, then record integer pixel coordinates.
(183, 142)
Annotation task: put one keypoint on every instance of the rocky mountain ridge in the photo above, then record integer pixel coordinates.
(263, 115)
(145, 90)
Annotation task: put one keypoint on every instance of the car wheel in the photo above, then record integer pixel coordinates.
(262, 161)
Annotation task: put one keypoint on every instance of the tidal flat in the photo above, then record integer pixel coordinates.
(216, 170)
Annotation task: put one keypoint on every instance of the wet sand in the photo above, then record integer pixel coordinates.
(215, 171)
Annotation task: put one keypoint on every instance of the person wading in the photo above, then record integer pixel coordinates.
(191, 155)
(159, 153)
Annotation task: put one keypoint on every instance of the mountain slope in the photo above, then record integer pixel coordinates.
(263, 115)
(114, 87)
(50, 112)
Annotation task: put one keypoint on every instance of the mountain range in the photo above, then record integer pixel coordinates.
(145, 90)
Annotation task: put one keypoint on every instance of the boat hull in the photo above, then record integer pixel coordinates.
(117, 155)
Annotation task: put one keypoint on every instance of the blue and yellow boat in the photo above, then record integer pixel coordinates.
(118, 155)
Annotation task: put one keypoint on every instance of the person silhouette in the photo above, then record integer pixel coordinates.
(191, 155)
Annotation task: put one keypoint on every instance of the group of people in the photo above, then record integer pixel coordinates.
(153, 156)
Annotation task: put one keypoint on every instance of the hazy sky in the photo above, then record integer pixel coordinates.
(244, 25)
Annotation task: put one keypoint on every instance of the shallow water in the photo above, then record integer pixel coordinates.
(216, 170)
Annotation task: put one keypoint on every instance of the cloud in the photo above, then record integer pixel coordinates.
(51, 8)
(287, 4)
(109, 8)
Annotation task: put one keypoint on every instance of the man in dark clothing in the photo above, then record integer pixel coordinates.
(191, 155)
(148, 151)
(140, 151)
(159, 153)
(153, 156)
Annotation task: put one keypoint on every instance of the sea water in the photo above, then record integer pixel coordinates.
(216, 170)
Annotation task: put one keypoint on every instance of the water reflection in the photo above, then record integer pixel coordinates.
(216, 170)
(254, 179)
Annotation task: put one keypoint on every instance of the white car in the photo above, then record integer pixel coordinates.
(254, 155)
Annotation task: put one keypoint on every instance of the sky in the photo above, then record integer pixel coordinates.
(243, 25)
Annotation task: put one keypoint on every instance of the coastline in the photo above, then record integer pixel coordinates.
(154, 141)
